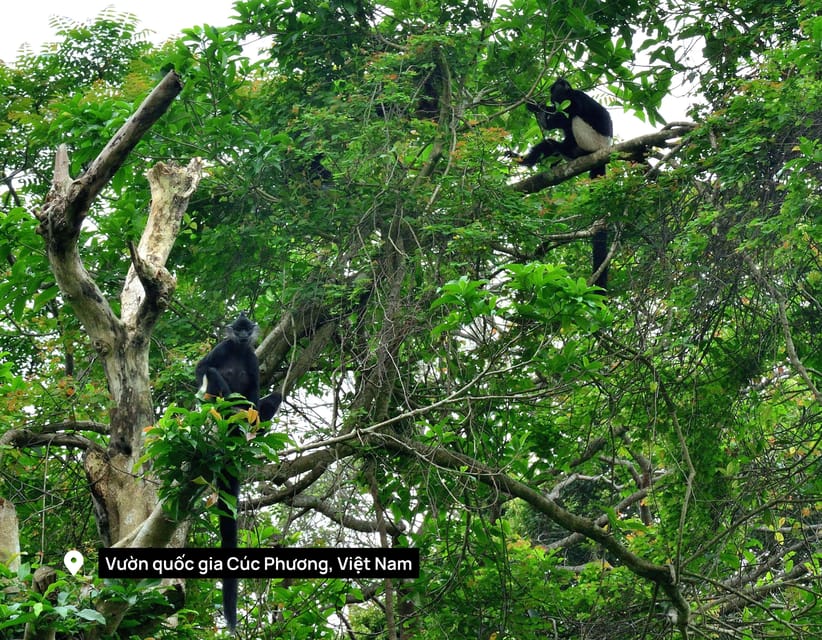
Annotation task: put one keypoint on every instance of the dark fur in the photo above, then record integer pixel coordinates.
(269, 405)
(232, 367)
(583, 110)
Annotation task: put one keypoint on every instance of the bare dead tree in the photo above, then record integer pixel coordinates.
(125, 503)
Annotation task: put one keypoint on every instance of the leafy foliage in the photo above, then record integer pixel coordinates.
(432, 324)
(198, 448)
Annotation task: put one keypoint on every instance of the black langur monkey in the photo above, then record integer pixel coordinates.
(232, 367)
(587, 127)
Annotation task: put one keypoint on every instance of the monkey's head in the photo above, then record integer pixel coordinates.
(242, 331)
(560, 91)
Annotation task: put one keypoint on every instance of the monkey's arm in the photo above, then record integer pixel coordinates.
(269, 405)
(542, 150)
(204, 374)
(215, 384)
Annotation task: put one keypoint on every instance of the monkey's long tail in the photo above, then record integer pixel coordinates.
(228, 536)
(599, 245)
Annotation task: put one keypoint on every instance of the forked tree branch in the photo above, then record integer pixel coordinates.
(68, 201)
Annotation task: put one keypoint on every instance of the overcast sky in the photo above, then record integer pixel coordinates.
(28, 20)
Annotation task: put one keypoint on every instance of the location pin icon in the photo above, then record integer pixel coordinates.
(73, 561)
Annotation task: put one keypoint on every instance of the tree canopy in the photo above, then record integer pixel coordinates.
(641, 462)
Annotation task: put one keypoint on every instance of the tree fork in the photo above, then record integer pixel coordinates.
(124, 502)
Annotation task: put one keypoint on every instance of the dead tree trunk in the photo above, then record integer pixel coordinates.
(123, 501)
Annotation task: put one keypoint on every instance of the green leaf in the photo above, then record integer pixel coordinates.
(91, 615)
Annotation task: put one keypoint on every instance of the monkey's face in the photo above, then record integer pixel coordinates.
(560, 91)
(242, 331)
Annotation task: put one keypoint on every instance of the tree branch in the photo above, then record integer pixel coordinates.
(293, 326)
(149, 286)
(68, 202)
(338, 515)
(662, 575)
(566, 170)
(21, 438)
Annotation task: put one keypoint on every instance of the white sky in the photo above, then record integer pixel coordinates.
(28, 20)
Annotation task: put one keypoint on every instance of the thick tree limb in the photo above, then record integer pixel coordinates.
(68, 202)
(566, 170)
(308, 356)
(293, 326)
(149, 286)
(22, 438)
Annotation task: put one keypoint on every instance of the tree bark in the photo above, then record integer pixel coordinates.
(563, 171)
(126, 506)
(9, 535)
